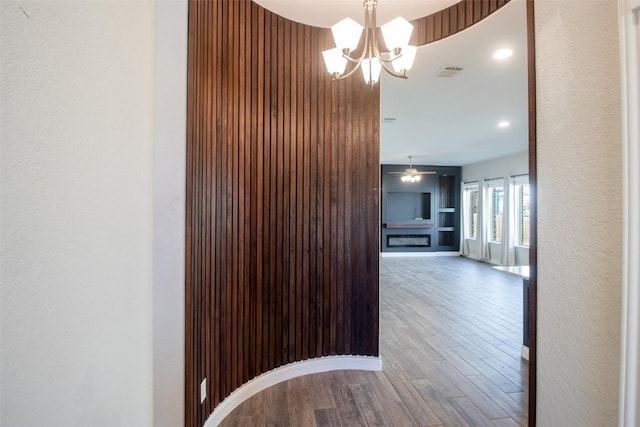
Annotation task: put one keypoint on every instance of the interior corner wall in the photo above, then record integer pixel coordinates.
(169, 211)
(282, 202)
(579, 191)
(76, 213)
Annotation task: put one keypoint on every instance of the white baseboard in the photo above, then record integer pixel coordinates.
(286, 372)
(417, 254)
(524, 352)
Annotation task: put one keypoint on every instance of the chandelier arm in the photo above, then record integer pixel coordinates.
(344, 76)
(384, 65)
(376, 51)
(392, 71)
(353, 60)
(390, 60)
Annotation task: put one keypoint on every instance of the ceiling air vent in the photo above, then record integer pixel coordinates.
(388, 119)
(448, 71)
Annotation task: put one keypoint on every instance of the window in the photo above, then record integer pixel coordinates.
(471, 211)
(522, 210)
(496, 198)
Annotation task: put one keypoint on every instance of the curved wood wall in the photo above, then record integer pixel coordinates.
(282, 196)
(282, 201)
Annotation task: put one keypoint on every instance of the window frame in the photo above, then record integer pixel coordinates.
(471, 232)
(493, 186)
(521, 208)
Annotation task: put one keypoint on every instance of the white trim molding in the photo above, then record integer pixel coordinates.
(524, 352)
(287, 372)
(629, 15)
(417, 254)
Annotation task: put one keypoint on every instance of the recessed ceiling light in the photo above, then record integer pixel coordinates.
(502, 54)
(504, 124)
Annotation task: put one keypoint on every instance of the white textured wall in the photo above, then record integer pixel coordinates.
(77, 213)
(169, 227)
(579, 207)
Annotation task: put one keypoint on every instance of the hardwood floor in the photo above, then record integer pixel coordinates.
(450, 336)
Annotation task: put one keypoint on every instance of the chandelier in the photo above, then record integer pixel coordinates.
(396, 60)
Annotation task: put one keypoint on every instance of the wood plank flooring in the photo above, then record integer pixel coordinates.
(450, 336)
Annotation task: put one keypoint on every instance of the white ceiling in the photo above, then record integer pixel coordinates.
(453, 121)
(325, 13)
(444, 121)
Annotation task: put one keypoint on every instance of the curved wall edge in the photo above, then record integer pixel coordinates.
(287, 372)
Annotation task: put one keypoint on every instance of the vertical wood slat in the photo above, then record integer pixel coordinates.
(326, 215)
(437, 26)
(469, 15)
(429, 24)
(453, 19)
(255, 172)
(462, 9)
(299, 207)
(210, 8)
(282, 205)
(477, 10)
(485, 8)
(445, 23)
(232, 212)
(271, 111)
(249, 299)
(320, 155)
(279, 180)
(267, 333)
(222, 223)
(309, 223)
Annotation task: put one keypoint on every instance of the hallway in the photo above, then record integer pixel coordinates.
(450, 336)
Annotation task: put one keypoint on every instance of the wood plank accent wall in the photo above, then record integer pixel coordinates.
(282, 201)
(282, 227)
(451, 20)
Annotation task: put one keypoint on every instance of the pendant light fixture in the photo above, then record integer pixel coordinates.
(396, 60)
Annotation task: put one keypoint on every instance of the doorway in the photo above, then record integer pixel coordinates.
(406, 128)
